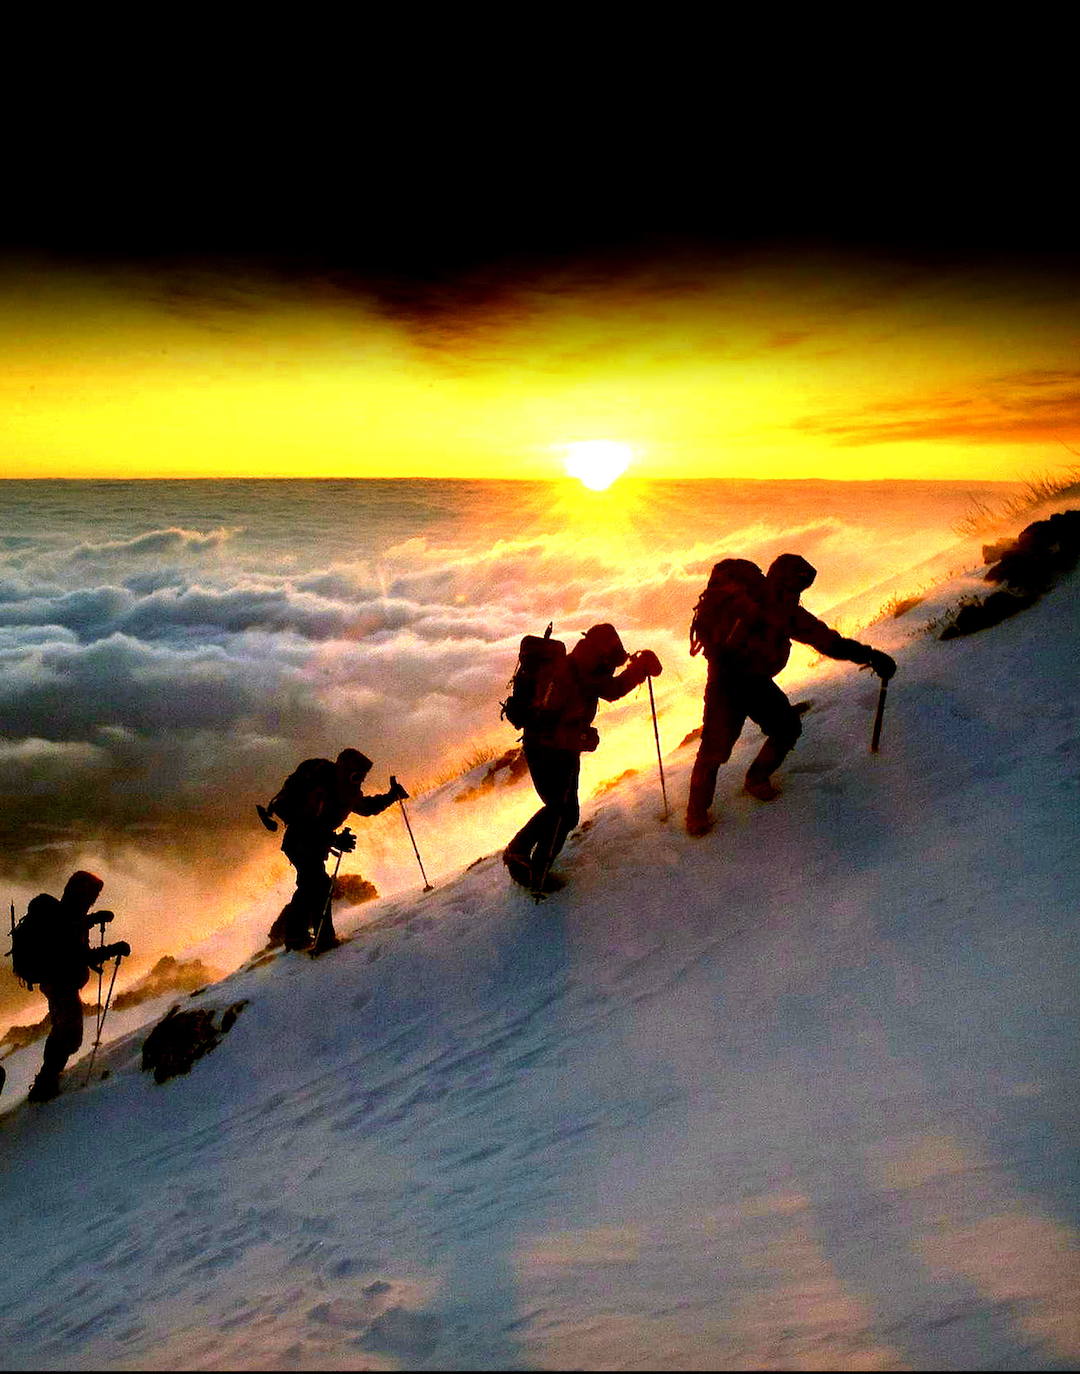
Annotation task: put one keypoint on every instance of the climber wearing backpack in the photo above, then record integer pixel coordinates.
(51, 947)
(553, 701)
(315, 799)
(744, 623)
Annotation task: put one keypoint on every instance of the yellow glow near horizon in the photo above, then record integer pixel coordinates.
(597, 462)
(771, 370)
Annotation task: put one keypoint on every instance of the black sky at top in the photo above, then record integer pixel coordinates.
(358, 198)
(450, 148)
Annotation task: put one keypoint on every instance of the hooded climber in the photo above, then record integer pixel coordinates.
(752, 645)
(63, 959)
(556, 735)
(315, 799)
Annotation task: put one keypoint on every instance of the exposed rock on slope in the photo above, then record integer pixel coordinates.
(1026, 568)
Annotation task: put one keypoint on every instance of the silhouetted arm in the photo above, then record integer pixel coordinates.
(372, 806)
(104, 953)
(642, 665)
(807, 629)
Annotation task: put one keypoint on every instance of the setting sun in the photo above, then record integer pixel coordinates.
(597, 462)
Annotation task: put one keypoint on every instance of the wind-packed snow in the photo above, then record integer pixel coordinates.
(800, 1094)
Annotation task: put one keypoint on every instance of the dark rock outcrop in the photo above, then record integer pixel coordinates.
(182, 1037)
(1024, 568)
(352, 889)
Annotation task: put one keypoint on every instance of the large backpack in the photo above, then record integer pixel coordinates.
(293, 795)
(725, 609)
(534, 688)
(33, 941)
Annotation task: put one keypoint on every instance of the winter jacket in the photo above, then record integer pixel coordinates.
(71, 955)
(326, 807)
(762, 644)
(766, 644)
(577, 694)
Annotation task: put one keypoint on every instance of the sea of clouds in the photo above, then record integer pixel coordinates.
(170, 650)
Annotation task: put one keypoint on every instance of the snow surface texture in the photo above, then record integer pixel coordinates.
(800, 1094)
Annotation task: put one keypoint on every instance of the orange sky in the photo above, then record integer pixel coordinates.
(760, 365)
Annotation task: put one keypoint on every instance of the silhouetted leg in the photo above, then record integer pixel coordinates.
(554, 774)
(523, 843)
(300, 917)
(522, 846)
(65, 1037)
(313, 888)
(769, 708)
(562, 811)
(277, 932)
(721, 725)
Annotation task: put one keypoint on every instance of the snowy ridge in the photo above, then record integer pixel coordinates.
(798, 1094)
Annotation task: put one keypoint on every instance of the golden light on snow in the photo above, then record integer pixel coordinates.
(597, 462)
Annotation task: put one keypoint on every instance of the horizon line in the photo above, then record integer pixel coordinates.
(562, 478)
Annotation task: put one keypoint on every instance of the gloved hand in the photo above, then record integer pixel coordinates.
(589, 738)
(648, 663)
(396, 790)
(344, 840)
(101, 918)
(882, 664)
(122, 948)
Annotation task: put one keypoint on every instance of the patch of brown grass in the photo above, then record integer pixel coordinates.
(984, 518)
(450, 772)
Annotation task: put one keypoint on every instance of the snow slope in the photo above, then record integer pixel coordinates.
(800, 1094)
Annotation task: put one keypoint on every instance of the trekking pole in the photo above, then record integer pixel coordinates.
(408, 827)
(878, 717)
(659, 758)
(101, 945)
(101, 1023)
(326, 906)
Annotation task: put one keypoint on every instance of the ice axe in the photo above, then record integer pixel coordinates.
(879, 715)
